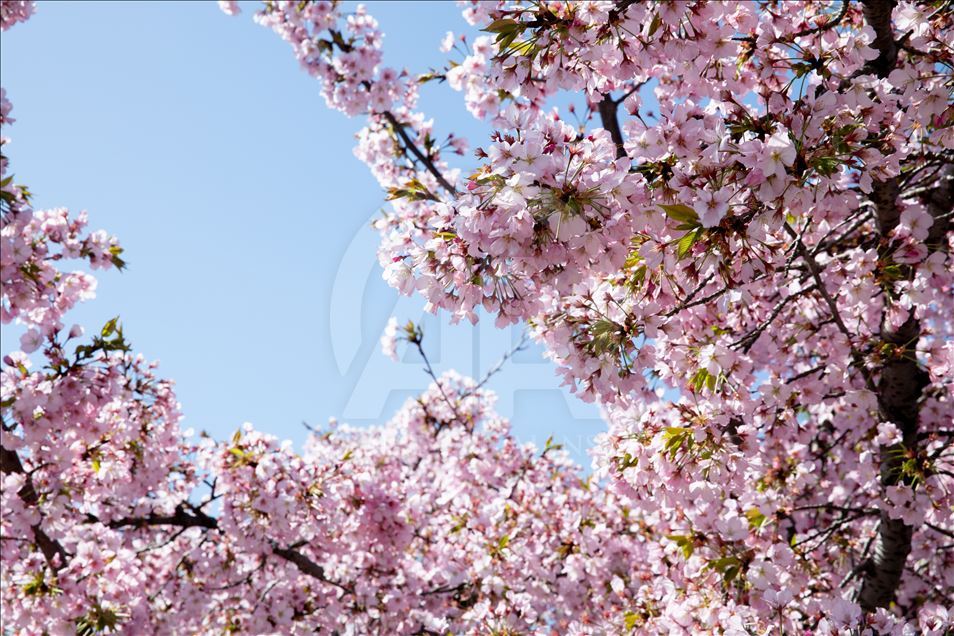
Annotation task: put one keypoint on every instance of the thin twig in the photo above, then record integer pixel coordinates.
(520, 346)
(410, 145)
(418, 342)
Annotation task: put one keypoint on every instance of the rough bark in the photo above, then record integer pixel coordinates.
(900, 386)
(899, 390)
(878, 16)
(901, 379)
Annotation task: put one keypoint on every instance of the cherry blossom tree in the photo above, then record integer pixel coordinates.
(753, 211)
(113, 520)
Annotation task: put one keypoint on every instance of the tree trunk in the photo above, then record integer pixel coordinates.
(901, 379)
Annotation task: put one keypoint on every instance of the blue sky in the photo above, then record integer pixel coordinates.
(197, 140)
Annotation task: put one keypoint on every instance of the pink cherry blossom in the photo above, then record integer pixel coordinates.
(753, 281)
(389, 339)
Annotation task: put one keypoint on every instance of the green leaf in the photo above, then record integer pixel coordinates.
(502, 26)
(549, 445)
(631, 620)
(429, 77)
(632, 260)
(496, 549)
(98, 620)
(654, 25)
(720, 564)
(109, 327)
(639, 275)
(744, 57)
(729, 567)
(681, 213)
(504, 40)
(826, 166)
(684, 246)
(684, 542)
(801, 69)
(699, 380)
(413, 333)
(315, 490)
(755, 517)
(114, 252)
(524, 48)
(892, 272)
(627, 461)
(674, 438)
(460, 522)
(38, 586)
(413, 190)
(604, 336)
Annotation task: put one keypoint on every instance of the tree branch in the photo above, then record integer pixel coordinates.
(901, 379)
(607, 109)
(181, 518)
(307, 566)
(10, 463)
(617, 12)
(828, 23)
(815, 269)
(745, 342)
(398, 128)
(878, 16)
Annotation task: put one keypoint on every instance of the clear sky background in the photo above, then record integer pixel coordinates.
(198, 141)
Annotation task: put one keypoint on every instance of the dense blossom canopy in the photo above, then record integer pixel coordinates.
(753, 211)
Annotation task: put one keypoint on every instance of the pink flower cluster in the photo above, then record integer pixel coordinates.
(13, 11)
(761, 243)
(438, 521)
(754, 281)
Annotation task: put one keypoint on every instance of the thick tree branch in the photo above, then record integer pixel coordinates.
(181, 518)
(901, 379)
(10, 463)
(620, 9)
(307, 566)
(195, 518)
(607, 109)
(878, 16)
